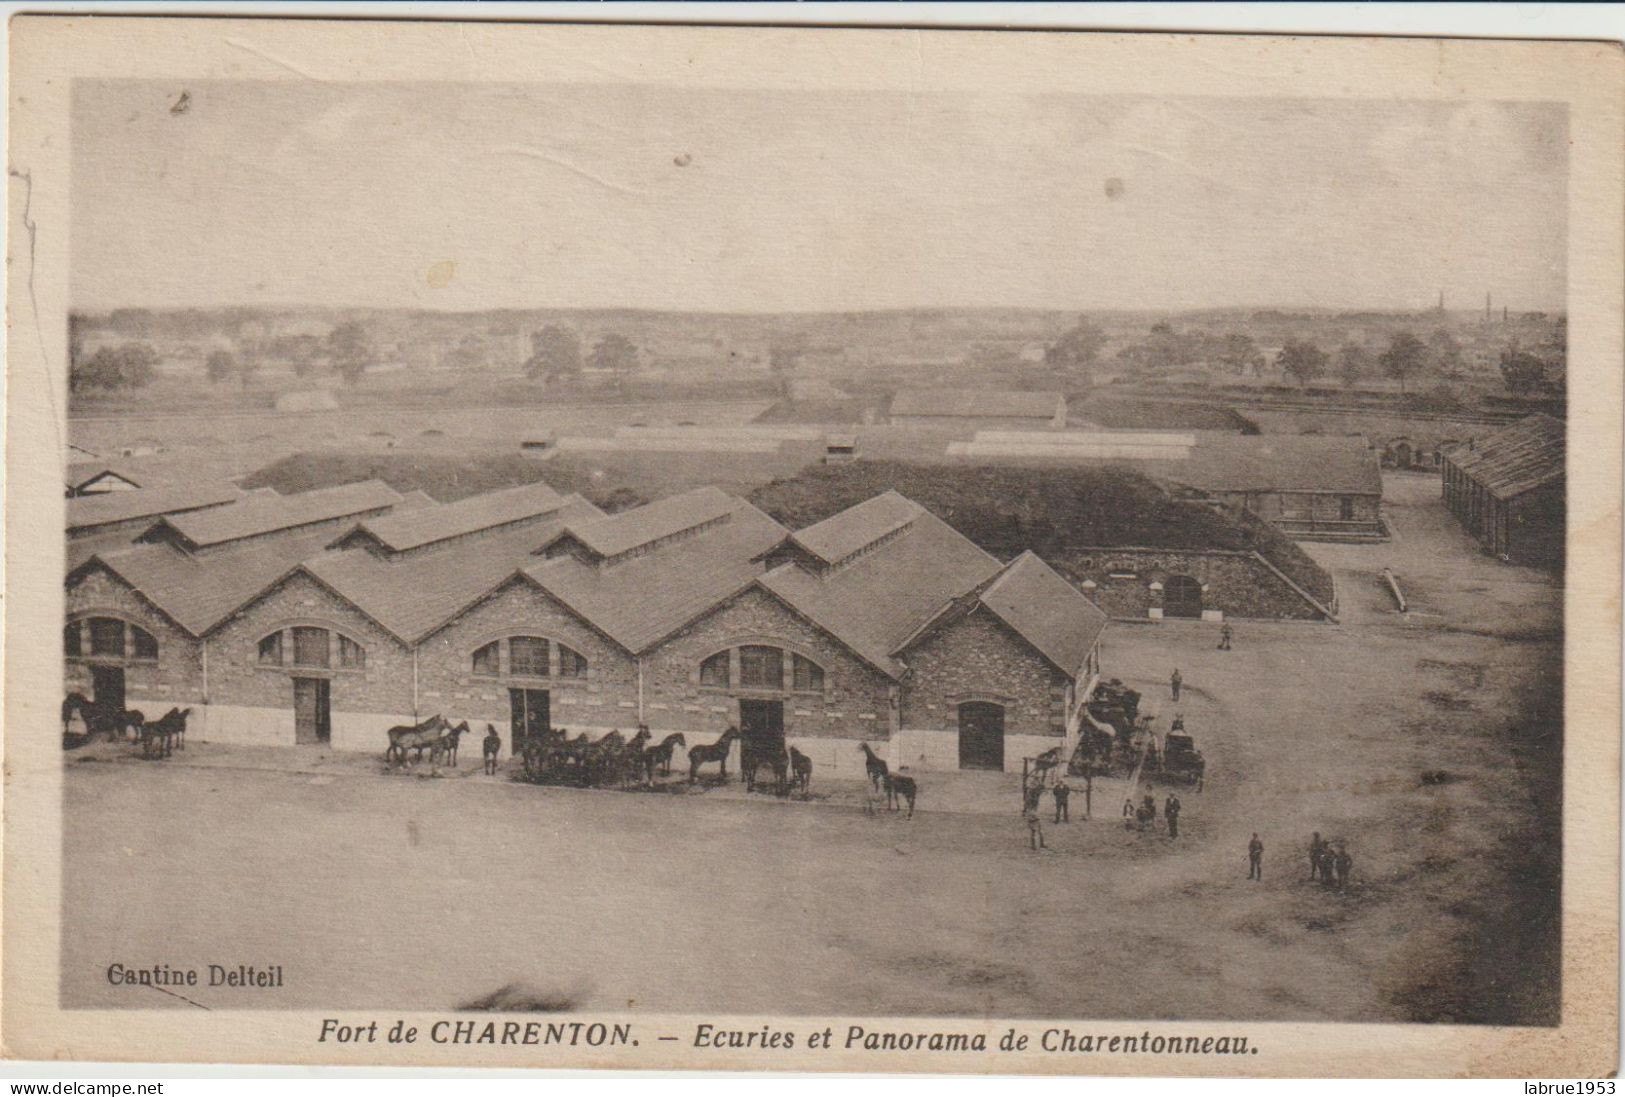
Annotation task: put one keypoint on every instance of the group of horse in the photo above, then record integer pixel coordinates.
(436, 735)
(158, 738)
(898, 787)
(611, 759)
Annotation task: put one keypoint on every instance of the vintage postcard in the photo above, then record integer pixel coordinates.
(767, 548)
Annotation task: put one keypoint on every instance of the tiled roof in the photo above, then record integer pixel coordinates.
(621, 533)
(414, 595)
(414, 529)
(1531, 453)
(1276, 463)
(198, 592)
(643, 600)
(976, 403)
(1049, 612)
(81, 472)
(841, 535)
(125, 506)
(875, 604)
(256, 515)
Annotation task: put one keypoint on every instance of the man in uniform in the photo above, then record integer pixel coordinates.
(1170, 810)
(1317, 849)
(1174, 682)
(492, 747)
(1063, 792)
(1255, 859)
(1224, 636)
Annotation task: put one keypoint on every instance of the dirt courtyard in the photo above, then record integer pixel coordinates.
(376, 892)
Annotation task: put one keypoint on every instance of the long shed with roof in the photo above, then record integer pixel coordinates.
(1508, 490)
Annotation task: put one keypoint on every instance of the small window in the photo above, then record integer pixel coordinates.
(271, 650)
(310, 647)
(352, 656)
(809, 676)
(142, 644)
(106, 636)
(70, 639)
(527, 656)
(714, 671)
(1345, 508)
(761, 668)
(571, 664)
(488, 660)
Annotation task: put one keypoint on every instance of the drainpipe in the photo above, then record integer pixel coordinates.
(205, 671)
(641, 718)
(414, 685)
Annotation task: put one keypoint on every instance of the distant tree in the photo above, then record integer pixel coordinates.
(1353, 363)
(1238, 354)
(1077, 350)
(555, 354)
(616, 353)
(1404, 358)
(222, 365)
(1444, 353)
(129, 365)
(1521, 371)
(1301, 360)
(350, 350)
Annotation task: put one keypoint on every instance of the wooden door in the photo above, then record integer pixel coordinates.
(530, 715)
(312, 710)
(1181, 597)
(107, 685)
(981, 735)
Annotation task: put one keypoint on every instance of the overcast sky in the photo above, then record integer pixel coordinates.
(263, 193)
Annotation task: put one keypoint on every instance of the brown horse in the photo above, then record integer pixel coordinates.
(753, 757)
(875, 764)
(659, 756)
(898, 788)
(801, 768)
(405, 737)
(707, 753)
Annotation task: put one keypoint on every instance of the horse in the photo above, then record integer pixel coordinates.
(1046, 762)
(600, 758)
(405, 737)
(900, 787)
(449, 741)
(631, 761)
(659, 755)
(801, 768)
(753, 757)
(490, 749)
(711, 752)
(132, 720)
(160, 735)
(875, 764)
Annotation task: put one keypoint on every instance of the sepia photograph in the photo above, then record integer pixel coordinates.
(639, 562)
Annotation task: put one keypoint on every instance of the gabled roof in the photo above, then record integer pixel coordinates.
(641, 601)
(881, 599)
(1276, 463)
(82, 474)
(1531, 453)
(643, 526)
(414, 595)
(1047, 611)
(263, 514)
(92, 511)
(198, 592)
(429, 525)
(976, 403)
(843, 535)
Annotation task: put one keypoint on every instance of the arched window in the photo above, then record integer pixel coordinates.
(809, 676)
(352, 656)
(714, 671)
(761, 667)
(271, 650)
(109, 638)
(313, 648)
(488, 660)
(527, 656)
(571, 664)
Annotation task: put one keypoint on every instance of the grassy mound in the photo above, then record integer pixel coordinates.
(1054, 512)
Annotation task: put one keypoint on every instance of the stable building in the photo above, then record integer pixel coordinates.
(535, 612)
(972, 408)
(1509, 490)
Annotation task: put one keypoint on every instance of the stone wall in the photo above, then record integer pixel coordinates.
(153, 687)
(855, 704)
(605, 699)
(364, 702)
(1237, 584)
(978, 658)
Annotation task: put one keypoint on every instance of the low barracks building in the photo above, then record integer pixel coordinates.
(534, 612)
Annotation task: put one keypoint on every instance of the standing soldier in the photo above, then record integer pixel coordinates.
(1317, 849)
(1328, 866)
(1035, 826)
(491, 747)
(1062, 794)
(1128, 814)
(1344, 865)
(1255, 859)
(1175, 681)
(1224, 636)
(1171, 811)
